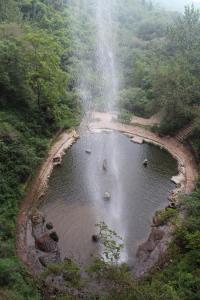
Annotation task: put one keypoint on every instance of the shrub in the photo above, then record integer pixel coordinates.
(164, 215)
(124, 117)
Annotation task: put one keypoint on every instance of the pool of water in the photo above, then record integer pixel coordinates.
(75, 198)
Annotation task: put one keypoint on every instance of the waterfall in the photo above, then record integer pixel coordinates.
(93, 33)
(105, 55)
(97, 85)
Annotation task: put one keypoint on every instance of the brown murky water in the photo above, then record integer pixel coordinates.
(75, 199)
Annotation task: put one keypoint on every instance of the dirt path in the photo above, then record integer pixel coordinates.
(155, 119)
(37, 188)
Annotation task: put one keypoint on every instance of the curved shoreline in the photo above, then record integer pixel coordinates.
(175, 148)
(151, 250)
(186, 166)
(36, 190)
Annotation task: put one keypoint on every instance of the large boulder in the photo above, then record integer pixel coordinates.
(46, 243)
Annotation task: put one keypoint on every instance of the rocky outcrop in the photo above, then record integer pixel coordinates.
(150, 251)
(147, 247)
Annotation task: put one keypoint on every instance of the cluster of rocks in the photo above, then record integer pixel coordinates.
(46, 240)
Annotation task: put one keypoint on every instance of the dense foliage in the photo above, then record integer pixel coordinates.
(37, 98)
(164, 70)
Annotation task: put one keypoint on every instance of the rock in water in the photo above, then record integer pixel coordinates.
(49, 226)
(53, 235)
(105, 165)
(46, 244)
(107, 196)
(95, 238)
(88, 151)
(145, 162)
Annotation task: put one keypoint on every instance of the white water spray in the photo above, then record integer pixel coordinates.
(106, 61)
(104, 68)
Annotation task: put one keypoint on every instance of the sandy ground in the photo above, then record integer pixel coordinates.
(155, 119)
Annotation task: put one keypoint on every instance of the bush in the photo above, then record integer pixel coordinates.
(124, 117)
(68, 269)
(135, 100)
(164, 215)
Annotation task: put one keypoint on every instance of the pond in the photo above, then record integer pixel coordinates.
(75, 202)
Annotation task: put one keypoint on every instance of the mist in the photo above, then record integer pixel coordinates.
(178, 4)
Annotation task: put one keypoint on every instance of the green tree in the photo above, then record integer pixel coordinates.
(9, 11)
(45, 76)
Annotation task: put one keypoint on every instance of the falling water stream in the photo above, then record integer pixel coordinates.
(74, 202)
(106, 60)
